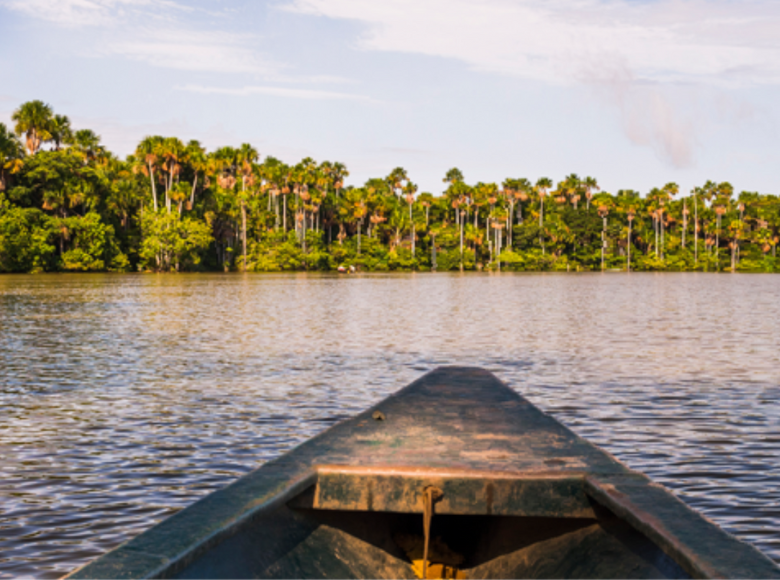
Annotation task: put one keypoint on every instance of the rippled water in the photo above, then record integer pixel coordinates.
(125, 398)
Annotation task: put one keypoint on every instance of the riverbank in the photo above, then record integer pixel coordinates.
(71, 205)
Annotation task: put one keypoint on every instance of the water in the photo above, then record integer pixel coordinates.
(126, 398)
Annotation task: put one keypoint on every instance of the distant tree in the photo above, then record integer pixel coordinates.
(453, 175)
(60, 131)
(147, 160)
(33, 119)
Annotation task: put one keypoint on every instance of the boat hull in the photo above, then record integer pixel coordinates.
(518, 495)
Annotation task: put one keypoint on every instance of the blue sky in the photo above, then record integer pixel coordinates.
(633, 93)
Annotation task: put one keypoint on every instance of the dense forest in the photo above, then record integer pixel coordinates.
(68, 204)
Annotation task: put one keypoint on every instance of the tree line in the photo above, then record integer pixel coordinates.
(69, 204)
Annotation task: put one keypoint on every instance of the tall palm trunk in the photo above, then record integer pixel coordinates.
(243, 229)
(154, 187)
(488, 238)
(461, 244)
(541, 223)
(303, 231)
(498, 247)
(411, 221)
(603, 242)
(717, 243)
(663, 236)
(168, 182)
(192, 193)
(628, 248)
(655, 231)
(509, 224)
(284, 211)
(695, 230)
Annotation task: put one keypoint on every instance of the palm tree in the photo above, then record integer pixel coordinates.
(667, 193)
(498, 225)
(426, 200)
(542, 186)
(603, 213)
(196, 158)
(696, 191)
(458, 194)
(453, 175)
(60, 131)
(590, 184)
(396, 180)
(87, 144)
(354, 209)
(33, 119)
(522, 194)
(409, 192)
(339, 173)
(571, 186)
(736, 229)
(146, 154)
(723, 192)
(304, 173)
(512, 192)
(631, 216)
(656, 209)
(172, 152)
(246, 158)
(762, 236)
(274, 173)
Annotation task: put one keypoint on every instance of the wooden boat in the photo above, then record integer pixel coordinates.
(456, 465)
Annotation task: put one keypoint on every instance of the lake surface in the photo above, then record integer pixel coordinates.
(126, 397)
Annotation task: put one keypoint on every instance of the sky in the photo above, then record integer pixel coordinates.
(635, 93)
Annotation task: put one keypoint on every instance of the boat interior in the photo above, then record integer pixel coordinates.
(349, 525)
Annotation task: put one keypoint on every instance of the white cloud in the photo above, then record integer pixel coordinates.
(195, 51)
(153, 32)
(274, 91)
(75, 13)
(638, 56)
(558, 41)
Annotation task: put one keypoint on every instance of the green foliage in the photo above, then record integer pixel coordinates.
(70, 205)
(531, 261)
(449, 260)
(763, 264)
(171, 242)
(26, 236)
(92, 245)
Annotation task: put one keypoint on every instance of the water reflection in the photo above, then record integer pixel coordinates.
(127, 397)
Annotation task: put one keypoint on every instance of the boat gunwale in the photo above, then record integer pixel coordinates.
(460, 473)
(180, 561)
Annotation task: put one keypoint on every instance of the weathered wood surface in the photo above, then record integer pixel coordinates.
(493, 454)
